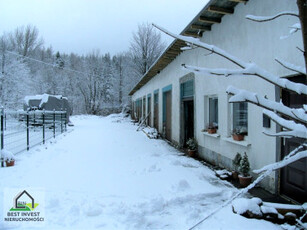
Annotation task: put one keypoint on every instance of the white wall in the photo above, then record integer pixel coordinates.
(252, 42)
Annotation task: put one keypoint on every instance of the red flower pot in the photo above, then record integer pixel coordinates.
(238, 137)
(235, 175)
(211, 131)
(10, 163)
(245, 181)
(191, 153)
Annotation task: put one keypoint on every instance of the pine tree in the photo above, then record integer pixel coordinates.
(244, 165)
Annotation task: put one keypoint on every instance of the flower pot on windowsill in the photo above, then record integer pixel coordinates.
(212, 130)
(238, 137)
(245, 180)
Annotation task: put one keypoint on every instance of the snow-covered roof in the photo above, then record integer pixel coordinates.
(43, 98)
(211, 14)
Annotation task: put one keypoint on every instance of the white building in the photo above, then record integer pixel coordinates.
(182, 103)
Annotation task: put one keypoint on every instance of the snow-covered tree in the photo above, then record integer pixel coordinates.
(59, 60)
(15, 77)
(91, 83)
(125, 79)
(244, 165)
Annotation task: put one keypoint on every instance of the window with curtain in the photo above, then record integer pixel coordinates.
(213, 111)
(240, 122)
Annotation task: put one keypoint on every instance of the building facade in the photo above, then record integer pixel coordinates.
(183, 103)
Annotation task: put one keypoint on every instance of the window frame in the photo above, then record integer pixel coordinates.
(208, 109)
(233, 117)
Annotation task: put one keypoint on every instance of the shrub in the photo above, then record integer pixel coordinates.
(244, 165)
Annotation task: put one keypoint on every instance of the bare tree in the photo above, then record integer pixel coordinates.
(146, 46)
(25, 40)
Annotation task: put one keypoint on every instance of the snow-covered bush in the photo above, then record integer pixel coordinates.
(192, 144)
(236, 161)
(240, 131)
(244, 165)
(7, 155)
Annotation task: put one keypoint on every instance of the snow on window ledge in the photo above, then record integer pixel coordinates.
(216, 135)
(242, 143)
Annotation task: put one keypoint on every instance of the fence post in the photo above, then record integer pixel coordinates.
(28, 133)
(54, 123)
(5, 121)
(43, 126)
(34, 121)
(61, 120)
(2, 131)
(65, 121)
(2, 134)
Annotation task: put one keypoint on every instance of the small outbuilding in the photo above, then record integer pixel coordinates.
(48, 103)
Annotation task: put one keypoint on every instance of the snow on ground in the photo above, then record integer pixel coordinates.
(105, 175)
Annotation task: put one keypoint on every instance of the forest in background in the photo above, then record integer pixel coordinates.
(94, 83)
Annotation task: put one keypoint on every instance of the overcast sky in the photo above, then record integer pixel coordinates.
(80, 26)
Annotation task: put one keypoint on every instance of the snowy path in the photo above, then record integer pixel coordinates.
(106, 175)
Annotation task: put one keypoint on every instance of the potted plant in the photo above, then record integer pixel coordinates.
(238, 133)
(244, 178)
(8, 157)
(236, 163)
(211, 127)
(192, 146)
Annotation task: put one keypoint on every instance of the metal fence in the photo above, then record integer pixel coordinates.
(21, 130)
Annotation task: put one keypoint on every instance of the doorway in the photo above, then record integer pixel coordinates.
(293, 179)
(186, 110)
(149, 110)
(156, 111)
(167, 114)
(188, 120)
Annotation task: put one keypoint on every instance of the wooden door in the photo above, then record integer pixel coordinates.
(293, 181)
(156, 111)
(144, 108)
(149, 111)
(168, 115)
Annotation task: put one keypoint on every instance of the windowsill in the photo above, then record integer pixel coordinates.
(231, 140)
(215, 135)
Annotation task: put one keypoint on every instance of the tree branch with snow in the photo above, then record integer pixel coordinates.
(270, 18)
(249, 68)
(289, 66)
(240, 95)
(295, 127)
(293, 156)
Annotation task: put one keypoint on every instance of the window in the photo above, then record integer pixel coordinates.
(144, 108)
(187, 89)
(213, 111)
(148, 110)
(240, 117)
(156, 109)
